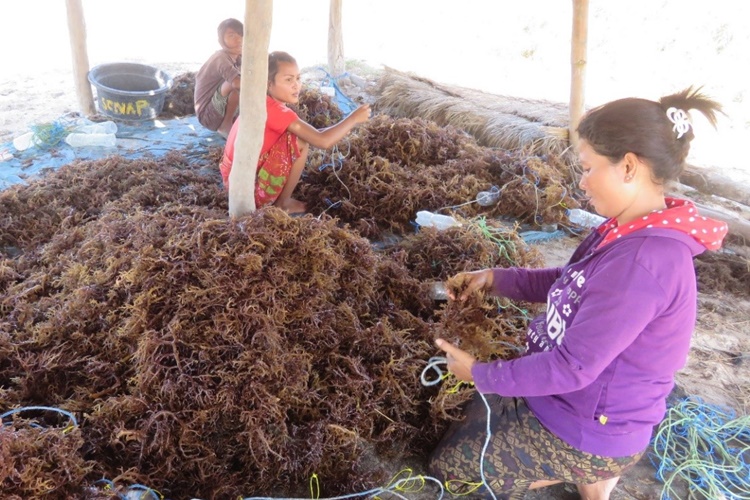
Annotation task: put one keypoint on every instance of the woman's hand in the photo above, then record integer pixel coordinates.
(475, 280)
(459, 361)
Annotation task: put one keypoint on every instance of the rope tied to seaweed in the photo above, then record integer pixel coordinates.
(432, 365)
(336, 164)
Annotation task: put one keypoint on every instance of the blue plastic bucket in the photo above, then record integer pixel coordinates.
(129, 91)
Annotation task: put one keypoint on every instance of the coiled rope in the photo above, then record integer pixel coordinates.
(705, 445)
(49, 135)
(432, 364)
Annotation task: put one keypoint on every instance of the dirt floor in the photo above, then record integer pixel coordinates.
(718, 369)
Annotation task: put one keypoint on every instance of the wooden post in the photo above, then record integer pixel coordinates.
(77, 31)
(578, 66)
(336, 63)
(254, 78)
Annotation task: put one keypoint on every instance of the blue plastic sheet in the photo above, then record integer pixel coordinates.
(343, 101)
(152, 138)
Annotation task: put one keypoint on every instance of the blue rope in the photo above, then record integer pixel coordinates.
(40, 408)
(344, 102)
(707, 446)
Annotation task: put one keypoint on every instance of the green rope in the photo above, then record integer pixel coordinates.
(705, 445)
(499, 236)
(49, 135)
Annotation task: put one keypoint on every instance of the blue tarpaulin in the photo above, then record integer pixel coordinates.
(152, 138)
(343, 101)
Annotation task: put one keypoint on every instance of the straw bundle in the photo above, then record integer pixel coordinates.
(540, 127)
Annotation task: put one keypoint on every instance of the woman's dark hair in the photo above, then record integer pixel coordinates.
(646, 128)
(274, 58)
(229, 24)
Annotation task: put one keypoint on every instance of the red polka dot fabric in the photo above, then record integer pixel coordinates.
(679, 214)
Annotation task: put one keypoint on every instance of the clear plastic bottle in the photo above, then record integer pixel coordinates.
(91, 140)
(584, 218)
(425, 218)
(438, 291)
(488, 198)
(108, 127)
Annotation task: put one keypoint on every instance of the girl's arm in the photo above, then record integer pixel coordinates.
(328, 137)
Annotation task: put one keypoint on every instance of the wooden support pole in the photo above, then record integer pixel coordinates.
(77, 31)
(336, 63)
(578, 55)
(254, 77)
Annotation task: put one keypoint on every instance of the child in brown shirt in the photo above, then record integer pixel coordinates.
(217, 83)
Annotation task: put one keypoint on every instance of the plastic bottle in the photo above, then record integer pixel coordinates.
(425, 218)
(584, 218)
(438, 291)
(329, 91)
(108, 127)
(90, 140)
(24, 141)
(488, 198)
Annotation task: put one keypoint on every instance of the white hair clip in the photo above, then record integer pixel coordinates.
(680, 119)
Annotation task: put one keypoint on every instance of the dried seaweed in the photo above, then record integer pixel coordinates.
(394, 168)
(38, 462)
(317, 109)
(178, 101)
(432, 254)
(723, 272)
(214, 357)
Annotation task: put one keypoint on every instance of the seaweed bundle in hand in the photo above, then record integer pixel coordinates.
(317, 109)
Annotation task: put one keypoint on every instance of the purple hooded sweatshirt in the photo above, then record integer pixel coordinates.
(600, 362)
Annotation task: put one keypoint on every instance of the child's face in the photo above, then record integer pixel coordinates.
(286, 84)
(233, 42)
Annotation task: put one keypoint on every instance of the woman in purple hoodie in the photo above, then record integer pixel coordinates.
(581, 404)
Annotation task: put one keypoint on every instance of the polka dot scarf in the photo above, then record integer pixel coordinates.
(679, 214)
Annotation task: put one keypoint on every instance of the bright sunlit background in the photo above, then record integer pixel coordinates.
(644, 48)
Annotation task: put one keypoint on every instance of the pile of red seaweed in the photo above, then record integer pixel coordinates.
(209, 357)
(389, 169)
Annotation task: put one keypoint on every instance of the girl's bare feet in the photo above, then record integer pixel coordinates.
(292, 206)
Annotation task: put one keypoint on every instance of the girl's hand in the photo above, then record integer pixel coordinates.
(459, 361)
(475, 280)
(361, 114)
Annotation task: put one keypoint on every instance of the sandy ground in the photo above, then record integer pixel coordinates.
(641, 48)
